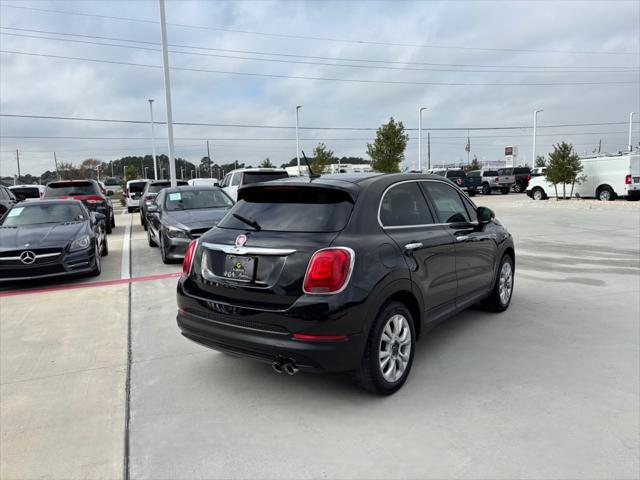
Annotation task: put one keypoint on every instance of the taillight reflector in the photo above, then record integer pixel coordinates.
(496, 179)
(93, 199)
(319, 338)
(329, 270)
(188, 257)
(627, 180)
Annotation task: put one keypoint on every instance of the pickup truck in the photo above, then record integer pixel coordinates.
(469, 184)
(522, 176)
(491, 180)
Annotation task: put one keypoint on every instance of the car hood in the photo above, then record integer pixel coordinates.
(201, 218)
(57, 235)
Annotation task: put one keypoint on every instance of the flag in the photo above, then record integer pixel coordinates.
(467, 147)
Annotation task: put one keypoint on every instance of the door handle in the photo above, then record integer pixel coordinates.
(462, 238)
(413, 246)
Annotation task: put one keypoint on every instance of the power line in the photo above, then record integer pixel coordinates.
(325, 39)
(240, 125)
(563, 69)
(329, 79)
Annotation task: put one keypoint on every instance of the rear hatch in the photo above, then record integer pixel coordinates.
(135, 189)
(635, 170)
(263, 266)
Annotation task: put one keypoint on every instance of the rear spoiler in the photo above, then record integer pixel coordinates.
(245, 190)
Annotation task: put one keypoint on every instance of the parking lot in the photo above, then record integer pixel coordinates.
(97, 382)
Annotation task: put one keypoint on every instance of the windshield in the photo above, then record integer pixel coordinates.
(195, 199)
(111, 182)
(255, 177)
(136, 187)
(70, 188)
(47, 213)
(292, 209)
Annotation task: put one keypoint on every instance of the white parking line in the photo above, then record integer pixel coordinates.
(123, 211)
(125, 271)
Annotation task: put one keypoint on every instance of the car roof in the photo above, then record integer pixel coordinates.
(162, 182)
(63, 182)
(49, 201)
(25, 186)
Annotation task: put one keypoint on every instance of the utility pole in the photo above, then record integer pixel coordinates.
(55, 160)
(428, 150)
(210, 162)
(535, 124)
(631, 114)
(420, 138)
(153, 141)
(599, 145)
(298, 107)
(111, 162)
(18, 160)
(167, 92)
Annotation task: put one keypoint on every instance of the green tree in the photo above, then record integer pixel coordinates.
(564, 167)
(131, 173)
(540, 161)
(266, 163)
(474, 165)
(387, 150)
(322, 158)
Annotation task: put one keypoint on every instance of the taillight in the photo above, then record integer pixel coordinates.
(627, 180)
(496, 179)
(329, 270)
(528, 178)
(93, 199)
(188, 257)
(148, 197)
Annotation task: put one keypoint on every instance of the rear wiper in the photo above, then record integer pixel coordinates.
(249, 221)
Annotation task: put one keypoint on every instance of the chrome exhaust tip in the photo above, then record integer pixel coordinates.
(290, 368)
(277, 367)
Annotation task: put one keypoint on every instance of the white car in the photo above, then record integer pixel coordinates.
(132, 194)
(244, 176)
(606, 178)
(25, 192)
(203, 182)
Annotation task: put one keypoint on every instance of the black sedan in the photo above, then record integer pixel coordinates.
(180, 214)
(49, 238)
(343, 272)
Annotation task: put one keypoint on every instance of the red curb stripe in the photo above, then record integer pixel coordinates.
(91, 284)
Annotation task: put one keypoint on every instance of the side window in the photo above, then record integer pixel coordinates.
(471, 210)
(225, 181)
(404, 205)
(235, 181)
(447, 202)
(3, 195)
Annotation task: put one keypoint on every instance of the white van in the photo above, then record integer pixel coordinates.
(606, 178)
(203, 182)
(132, 194)
(244, 176)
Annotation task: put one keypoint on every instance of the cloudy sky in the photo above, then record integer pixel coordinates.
(474, 65)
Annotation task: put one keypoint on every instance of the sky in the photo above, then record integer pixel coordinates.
(474, 65)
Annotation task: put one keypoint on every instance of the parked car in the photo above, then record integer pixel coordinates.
(471, 185)
(491, 180)
(89, 192)
(605, 178)
(50, 238)
(342, 273)
(24, 192)
(132, 193)
(204, 182)
(178, 215)
(521, 176)
(150, 192)
(113, 184)
(246, 176)
(7, 200)
(538, 171)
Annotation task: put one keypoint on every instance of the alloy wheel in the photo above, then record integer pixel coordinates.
(506, 282)
(395, 348)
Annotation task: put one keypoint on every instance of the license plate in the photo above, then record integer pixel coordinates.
(240, 268)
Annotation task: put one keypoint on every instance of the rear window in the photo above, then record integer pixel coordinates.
(291, 209)
(136, 187)
(491, 173)
(23, 193)
(521, 170)
(111, 182)
(71, 188)
(455, 174)
(255, 177)
(156, 187)
(476, 173)
(505, 171)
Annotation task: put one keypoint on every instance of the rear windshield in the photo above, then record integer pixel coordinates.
(71, 188)
(521, 170)
(47, 213)
(455, 174)
(291, 209)
(505, 171)
(476, 173)
(156, 187)
(137, 187)
(25, 192)
(255, 177)
(491, 173)
(111, 182)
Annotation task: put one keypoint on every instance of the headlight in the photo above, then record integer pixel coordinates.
(173, 232)
(80, 243)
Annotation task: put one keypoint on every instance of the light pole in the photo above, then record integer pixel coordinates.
(535, 125)
(167, 92)
(420, 138)
(145, 172)
(153, 141)
(631, 114)
(298, 138)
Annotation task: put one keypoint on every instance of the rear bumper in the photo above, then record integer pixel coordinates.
(268, 336)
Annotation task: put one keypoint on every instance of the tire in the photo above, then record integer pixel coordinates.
(498, 300)
(517, 187)
(129, 210)
(107, 227)
(486, 189)
(504, 191)
(471, 192)
(152, 243)
(371, 374)
(163, 253)
(113, 219)
(105, 247)
(98, 268)
(606, 193)
(538, 194)
(143, 223)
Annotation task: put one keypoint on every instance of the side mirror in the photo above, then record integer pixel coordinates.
(485, 215)
(98, 217)
(153, 208)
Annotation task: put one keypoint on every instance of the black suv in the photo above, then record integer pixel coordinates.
(150, 192)
(342, 272)
(522, 177)
(88, 192)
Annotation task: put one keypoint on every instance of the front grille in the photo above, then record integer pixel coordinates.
(37, 251)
